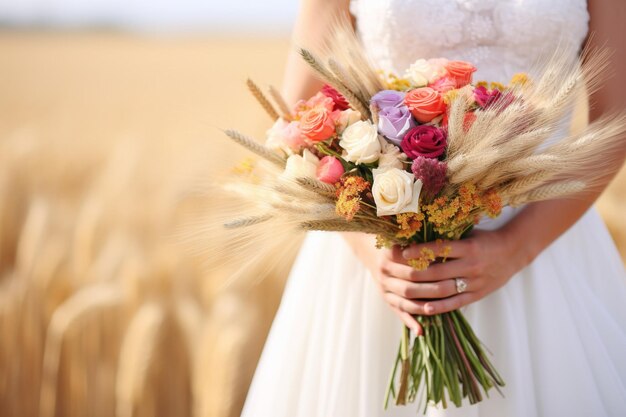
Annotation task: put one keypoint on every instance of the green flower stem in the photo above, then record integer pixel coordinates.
(391, 386)
(473, 387)
(404, 375)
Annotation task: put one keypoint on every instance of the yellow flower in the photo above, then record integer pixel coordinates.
(349, 196)
(482, 84)
(521, 79)
(393, 82)
(427, 256)
(383, 242)
(450, 96)
(409, 224)
(497, 86)
(245, 169)
(443, 251)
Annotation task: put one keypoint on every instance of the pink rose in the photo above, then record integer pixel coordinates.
(286, 136)
(329, 170)
(424, 140)
(443, 84)
(318, 100)
(425, 104)
(317, 125)
(293, 136)
(487, 99)
(461, 72)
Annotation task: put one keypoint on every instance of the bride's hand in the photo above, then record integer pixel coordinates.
(485, 261)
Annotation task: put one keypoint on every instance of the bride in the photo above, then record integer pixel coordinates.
(546, 290)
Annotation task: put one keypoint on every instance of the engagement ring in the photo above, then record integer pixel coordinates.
(461, 285)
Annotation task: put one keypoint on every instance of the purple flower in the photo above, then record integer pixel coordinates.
(394, 122)
(432, 173)
(424, 140)
(387, 98)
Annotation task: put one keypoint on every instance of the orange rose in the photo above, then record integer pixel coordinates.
(425, 104)
(317, 125)
(461, 72)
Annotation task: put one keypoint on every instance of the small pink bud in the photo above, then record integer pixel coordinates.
(329, 170)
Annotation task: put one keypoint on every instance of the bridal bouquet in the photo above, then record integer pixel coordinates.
(422, 158)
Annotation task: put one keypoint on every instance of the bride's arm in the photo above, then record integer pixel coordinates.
(489, 259)
(312, 25)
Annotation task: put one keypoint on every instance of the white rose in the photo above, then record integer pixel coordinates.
(301, 166)
(391, 156)
(275, 137)
(347, 118)
(360, 143)
(395, 191)
(420, 73)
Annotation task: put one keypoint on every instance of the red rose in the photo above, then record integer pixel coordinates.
(461, 71)
(340, 101)
(425, 140)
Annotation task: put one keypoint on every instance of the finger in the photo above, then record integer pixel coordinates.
(408, 306)
(422, 290)
(435, 272)
(408, 320)
(449, 304)
(446, 248)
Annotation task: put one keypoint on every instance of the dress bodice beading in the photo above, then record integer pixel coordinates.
(500, 37)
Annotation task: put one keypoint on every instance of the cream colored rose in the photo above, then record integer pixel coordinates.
(391, 156)
(275, 139)
(395, 191)
(420, 73)
(360, 143)
(347, 118)
(299, 166)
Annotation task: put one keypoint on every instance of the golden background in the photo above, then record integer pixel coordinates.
(107, 306)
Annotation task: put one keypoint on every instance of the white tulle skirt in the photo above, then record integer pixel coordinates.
(557, 331)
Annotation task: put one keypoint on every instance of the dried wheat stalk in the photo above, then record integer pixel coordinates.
(328, 77)
(255, 147)
(247, 221)
(317, 186)
(285, 111)
(263, 101)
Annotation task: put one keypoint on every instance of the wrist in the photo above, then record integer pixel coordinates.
(363, 246)
(519, 244)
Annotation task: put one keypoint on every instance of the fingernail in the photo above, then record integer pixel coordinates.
(415, 332)
(405, 254)
(429, 309)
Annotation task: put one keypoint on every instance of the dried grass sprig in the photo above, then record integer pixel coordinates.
(263, 101)
(279, 100)
(524, 184)
(327, 76)
(255, 147)
(342, 225)
(350, 81)
(247, 221)
(550, 191)
(317, 186)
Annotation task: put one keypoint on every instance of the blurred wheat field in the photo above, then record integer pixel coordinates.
(105, 308)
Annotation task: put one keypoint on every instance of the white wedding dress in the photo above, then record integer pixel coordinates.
(557, 329)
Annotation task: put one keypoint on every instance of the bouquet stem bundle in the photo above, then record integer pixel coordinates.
(446, 363)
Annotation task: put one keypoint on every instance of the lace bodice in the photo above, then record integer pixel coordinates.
(500, 37)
